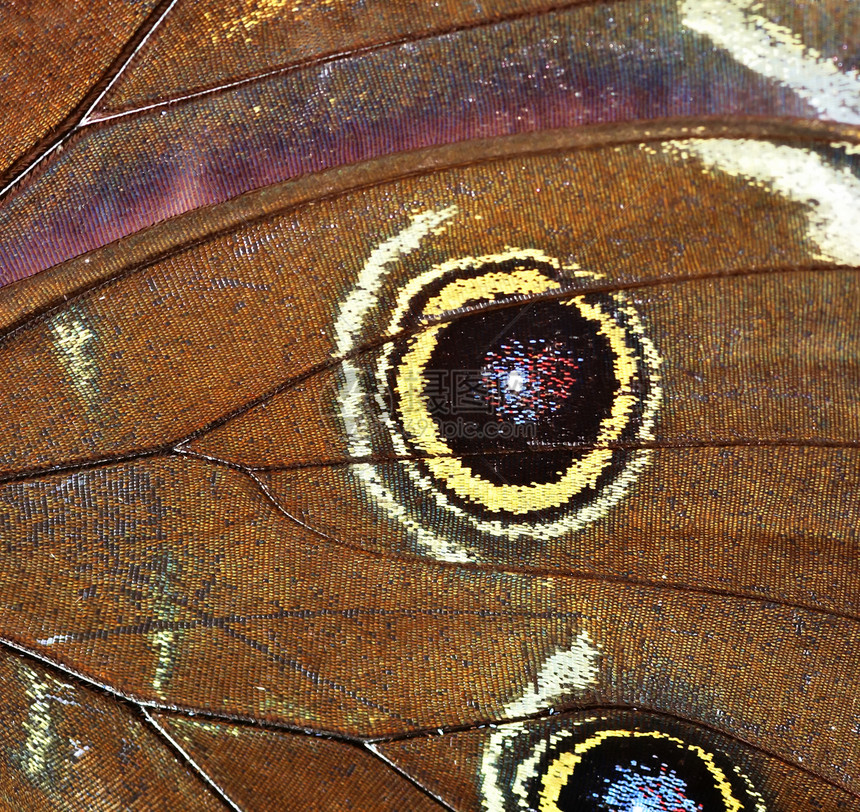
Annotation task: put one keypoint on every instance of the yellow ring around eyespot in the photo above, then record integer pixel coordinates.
(418, 423)
(558, 773)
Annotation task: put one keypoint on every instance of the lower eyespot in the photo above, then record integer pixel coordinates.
(623, 761)
(634, 771)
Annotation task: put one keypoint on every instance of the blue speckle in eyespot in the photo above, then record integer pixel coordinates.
(525, 383)
(640, 788)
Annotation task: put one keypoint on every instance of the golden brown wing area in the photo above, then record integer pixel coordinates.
(536, 474)
(430, 406)
(44, 82)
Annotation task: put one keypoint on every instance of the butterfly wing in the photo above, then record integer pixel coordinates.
(229, 489)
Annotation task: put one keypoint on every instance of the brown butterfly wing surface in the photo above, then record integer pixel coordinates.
(430, 406)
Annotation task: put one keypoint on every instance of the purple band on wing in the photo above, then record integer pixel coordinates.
(609, 63)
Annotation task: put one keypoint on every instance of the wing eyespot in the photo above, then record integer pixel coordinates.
(518, 411)
(615, 762)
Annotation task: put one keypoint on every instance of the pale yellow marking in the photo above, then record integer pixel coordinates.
(759, 801)
(254, 13)
(350, 320)
(219, 729)
(164, 641)
(774, 51)
(40, 736)
(42, 741)
(73, 341)
(417, 421)
(850, 149)
(460, 293)
(353, 395)
(527, 769)
(831, 195)
(564, 673)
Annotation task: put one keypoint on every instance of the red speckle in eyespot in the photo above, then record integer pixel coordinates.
(524, 383)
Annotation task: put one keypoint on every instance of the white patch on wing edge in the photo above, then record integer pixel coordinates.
(774, 51)
(832, 195)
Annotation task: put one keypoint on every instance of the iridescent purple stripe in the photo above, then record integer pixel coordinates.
(613, 63)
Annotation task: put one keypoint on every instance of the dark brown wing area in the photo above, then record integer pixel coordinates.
(45, 84)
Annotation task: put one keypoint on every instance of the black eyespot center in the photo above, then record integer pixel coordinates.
(520, 379)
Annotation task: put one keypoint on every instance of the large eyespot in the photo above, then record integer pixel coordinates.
(641, 771)
(616, 762)
(518, 409)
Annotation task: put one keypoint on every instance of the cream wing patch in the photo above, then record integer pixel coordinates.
(74, 342)
(774, 51)
(831, 194)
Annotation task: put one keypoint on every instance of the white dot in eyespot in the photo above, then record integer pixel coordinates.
(515, 382)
